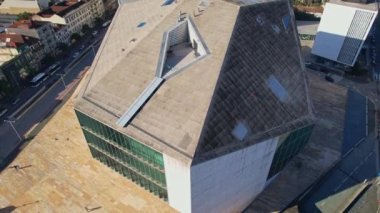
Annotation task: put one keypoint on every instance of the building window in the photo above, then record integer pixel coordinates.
(288, 147)
(125, 155)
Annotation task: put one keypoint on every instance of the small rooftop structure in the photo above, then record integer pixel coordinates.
(342, 31)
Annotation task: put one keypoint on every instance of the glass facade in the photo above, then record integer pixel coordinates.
(125, 155)
(288, 148)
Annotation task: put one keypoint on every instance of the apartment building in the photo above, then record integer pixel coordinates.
(43, 31)
(73, 13)
(62, 33)
(19, 53)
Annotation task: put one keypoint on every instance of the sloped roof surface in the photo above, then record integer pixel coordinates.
(262, 84)
(174, 117)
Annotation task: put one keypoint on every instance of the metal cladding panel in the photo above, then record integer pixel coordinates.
(332, 30)
(140, 101)
(356, 36)
(342, 32)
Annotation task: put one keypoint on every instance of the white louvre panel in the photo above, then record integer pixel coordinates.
(355, 37)
(342, 32)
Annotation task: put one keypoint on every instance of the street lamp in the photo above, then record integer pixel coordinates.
(61, 77)
(93, 50)
(10, 122)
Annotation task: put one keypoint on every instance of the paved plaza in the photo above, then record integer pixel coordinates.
(57, 174)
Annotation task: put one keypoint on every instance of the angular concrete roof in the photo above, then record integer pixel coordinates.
(253, 77)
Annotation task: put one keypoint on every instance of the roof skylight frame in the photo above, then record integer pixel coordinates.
(165, 47)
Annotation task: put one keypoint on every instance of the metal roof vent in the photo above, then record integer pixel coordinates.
(260, 20)
(276, 29)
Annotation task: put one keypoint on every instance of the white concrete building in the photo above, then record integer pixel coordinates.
(201, 103)
(342, 31)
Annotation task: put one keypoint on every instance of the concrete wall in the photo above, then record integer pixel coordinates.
(178, 35)
(194, 37)
(229, 183)
(178, 184)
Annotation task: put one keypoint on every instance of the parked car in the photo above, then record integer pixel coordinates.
(3, 111)
(76, 54)
(106, 23)
(95, 33)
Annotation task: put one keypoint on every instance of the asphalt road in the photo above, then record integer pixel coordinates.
(42, 106)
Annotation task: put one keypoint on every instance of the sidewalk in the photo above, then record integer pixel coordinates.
(58, 174)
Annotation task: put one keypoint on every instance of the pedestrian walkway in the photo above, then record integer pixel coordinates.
(55, 173)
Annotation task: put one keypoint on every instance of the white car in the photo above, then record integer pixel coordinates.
(16, 101)
(95, 33)
(105, 24)
(3, 111)
(76, 54)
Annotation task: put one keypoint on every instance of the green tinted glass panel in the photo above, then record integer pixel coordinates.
(290, 147)
(125, 155)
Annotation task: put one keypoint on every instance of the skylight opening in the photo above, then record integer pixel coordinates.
(167, 2)
(276, 87)
(240, 131)
(260, 20)
(182, 46)
(141, 24)
(276, 29)
(286, 21)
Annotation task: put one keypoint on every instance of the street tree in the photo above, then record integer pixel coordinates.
(75, 36)
(85, 29)
(24, 16)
